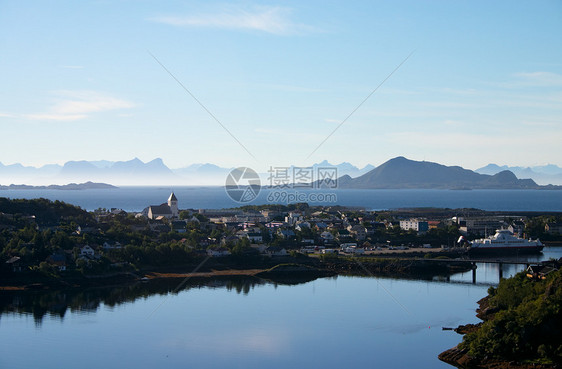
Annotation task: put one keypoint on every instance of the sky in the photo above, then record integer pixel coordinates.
(276, 83)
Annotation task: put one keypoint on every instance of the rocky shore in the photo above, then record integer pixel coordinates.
(460, 359)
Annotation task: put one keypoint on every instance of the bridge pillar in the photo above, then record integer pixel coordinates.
(501, 271)
(474, 273)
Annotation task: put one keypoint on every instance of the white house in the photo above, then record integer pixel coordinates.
(275, 251)
(254, 237)
(417, 225)
(218, 251)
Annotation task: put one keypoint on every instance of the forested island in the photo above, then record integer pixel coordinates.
(521, 329)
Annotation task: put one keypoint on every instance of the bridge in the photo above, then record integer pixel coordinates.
(498, 262)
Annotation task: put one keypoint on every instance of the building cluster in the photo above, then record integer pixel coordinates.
(274, 232)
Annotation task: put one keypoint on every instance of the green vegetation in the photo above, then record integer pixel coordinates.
(37, 230)
(535, 227)
(526, 324)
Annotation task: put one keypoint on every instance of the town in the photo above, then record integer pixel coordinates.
(53, 237)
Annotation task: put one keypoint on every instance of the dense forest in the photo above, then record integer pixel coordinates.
(523, 321)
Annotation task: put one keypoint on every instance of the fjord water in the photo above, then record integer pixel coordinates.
(327, 323)
(245, 322)
(137, 198)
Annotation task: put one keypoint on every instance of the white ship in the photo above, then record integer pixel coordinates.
(504, 242)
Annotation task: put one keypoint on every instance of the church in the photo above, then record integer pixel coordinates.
(167, 210)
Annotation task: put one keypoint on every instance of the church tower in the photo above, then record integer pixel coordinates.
(173, 204)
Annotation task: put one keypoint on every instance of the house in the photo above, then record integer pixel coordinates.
(271, 214)
(159, 227)
(108, 246)
(14, 263)
(320, 226)
(327, 236)
(87, 251)
(420, 226)
(228, 239)
(343, 234)
(302, 225)
(480, 226)
(293, 218)
(552, 228)
(254, 237)
(179, 226)
(354, 250)
(116, 211)
(167, 210)
(286, 233)
(259, 247)
(358, 231)
(275, 251)
(218, 251)
(540, 271)
(433, 224)
(58, 260)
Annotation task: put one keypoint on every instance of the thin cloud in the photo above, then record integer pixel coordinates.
(539, 79)
(59, 117)
(76, 105)
(454, 123)
(275, 20)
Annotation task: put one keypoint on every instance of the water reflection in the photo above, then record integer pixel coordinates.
(57, 303)
(490, 271)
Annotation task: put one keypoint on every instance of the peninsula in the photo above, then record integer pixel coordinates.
(70, 186)
(404, 173)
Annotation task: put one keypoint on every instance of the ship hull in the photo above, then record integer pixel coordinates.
(505, 250)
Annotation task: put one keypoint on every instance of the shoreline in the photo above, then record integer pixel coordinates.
(389, 265)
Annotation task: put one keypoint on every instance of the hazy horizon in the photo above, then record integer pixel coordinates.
(156, 172)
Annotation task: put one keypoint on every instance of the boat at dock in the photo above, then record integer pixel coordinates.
(505, 243)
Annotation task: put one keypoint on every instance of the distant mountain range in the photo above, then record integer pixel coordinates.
(135, 172)
(395, 173)
(403, 173)
(543, 174)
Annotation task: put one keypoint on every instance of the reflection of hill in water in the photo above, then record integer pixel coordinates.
(59, 302)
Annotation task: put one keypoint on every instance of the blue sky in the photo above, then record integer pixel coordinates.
(484, 82)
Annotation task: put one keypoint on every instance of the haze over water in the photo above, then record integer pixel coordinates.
(134, 199)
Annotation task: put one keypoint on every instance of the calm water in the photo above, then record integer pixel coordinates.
(340, 322)
(343, 322)
(137, 198)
